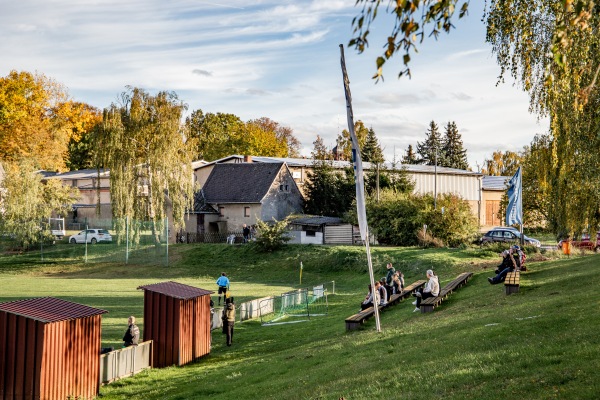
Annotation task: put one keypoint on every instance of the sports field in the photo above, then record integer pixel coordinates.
(480, 344)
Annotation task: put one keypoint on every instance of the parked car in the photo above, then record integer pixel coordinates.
(508, 235)
(585, 243)
(93, 236)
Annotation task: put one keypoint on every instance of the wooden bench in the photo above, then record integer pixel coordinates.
(430, 303)
(356, 320)
(512, 282)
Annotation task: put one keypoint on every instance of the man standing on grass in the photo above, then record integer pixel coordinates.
(229, 319)
(223, 283)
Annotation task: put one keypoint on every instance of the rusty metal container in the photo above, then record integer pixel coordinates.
(49, 349)
(177, 319)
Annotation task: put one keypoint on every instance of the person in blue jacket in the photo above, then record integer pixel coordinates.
(223, 283)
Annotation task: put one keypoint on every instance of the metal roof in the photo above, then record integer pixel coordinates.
(83, 174)
(177, 290)
(49, 309)
(308, 162)
(317, 220)
(490, 182)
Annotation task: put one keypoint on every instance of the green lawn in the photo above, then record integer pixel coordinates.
(480, 344)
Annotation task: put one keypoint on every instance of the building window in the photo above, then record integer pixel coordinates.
(281, 188)
(287, 188)
(246, 211)
(221, 211)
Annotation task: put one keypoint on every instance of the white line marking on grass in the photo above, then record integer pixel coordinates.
(521, 319)
(495, 323)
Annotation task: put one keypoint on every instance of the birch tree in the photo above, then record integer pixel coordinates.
(143, 143)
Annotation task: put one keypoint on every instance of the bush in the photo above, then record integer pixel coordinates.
(271, 237)
(398, 219)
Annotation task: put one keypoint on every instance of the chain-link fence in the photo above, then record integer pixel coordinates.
(104, 240)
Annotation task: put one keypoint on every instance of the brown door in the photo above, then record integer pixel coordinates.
(491, 212)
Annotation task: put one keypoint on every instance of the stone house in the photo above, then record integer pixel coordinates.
(243, 193)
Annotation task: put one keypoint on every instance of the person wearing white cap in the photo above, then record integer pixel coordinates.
(432, 289)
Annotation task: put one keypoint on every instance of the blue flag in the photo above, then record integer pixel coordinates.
(514, 210)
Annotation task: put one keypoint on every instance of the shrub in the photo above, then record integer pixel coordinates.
(273, 236)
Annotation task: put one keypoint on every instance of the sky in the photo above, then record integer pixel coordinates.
(272, 58)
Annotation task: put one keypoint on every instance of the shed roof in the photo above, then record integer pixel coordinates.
(240, 182)
(176, 290)
(490, 182)
(49, 309)
(316, 220)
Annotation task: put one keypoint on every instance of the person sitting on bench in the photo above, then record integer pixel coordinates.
(432, 289)
(510, 262)
(368, 302)
(398, 283)
(383, 292)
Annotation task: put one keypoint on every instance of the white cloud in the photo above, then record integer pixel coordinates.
(274, 58)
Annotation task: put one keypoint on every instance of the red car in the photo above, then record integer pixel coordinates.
(585, 243)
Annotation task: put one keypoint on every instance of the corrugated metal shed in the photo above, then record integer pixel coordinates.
(49, 349)
(177, 318)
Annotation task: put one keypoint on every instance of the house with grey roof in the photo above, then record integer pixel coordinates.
(427, 178)
(243, 193)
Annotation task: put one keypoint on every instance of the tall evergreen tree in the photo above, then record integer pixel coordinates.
(427, 149)
(410, 157)
(371, 151)
(455, 156)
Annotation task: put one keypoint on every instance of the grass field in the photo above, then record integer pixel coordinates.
(480, 344)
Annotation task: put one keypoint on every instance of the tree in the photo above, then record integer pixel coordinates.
(33, 123)
(371, 150)
(320, 152)
(216, 135)
(344, 141)
(563, 87)
(430, 150)
(409, 28)
(219, 135)
(142, 143)
(536, 196)
(84, 122)
(410, 157)
(452, 148)
(502, 163)
(26, 203)
(282, 133)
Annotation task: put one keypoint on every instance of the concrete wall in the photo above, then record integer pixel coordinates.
(283, 198)
(299, 237)
(125, 362)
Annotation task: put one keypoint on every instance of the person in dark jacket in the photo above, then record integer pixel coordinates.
(229, 319)
(132, 334)
(510, 262)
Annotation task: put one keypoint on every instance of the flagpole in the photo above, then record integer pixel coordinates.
(360, 186)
